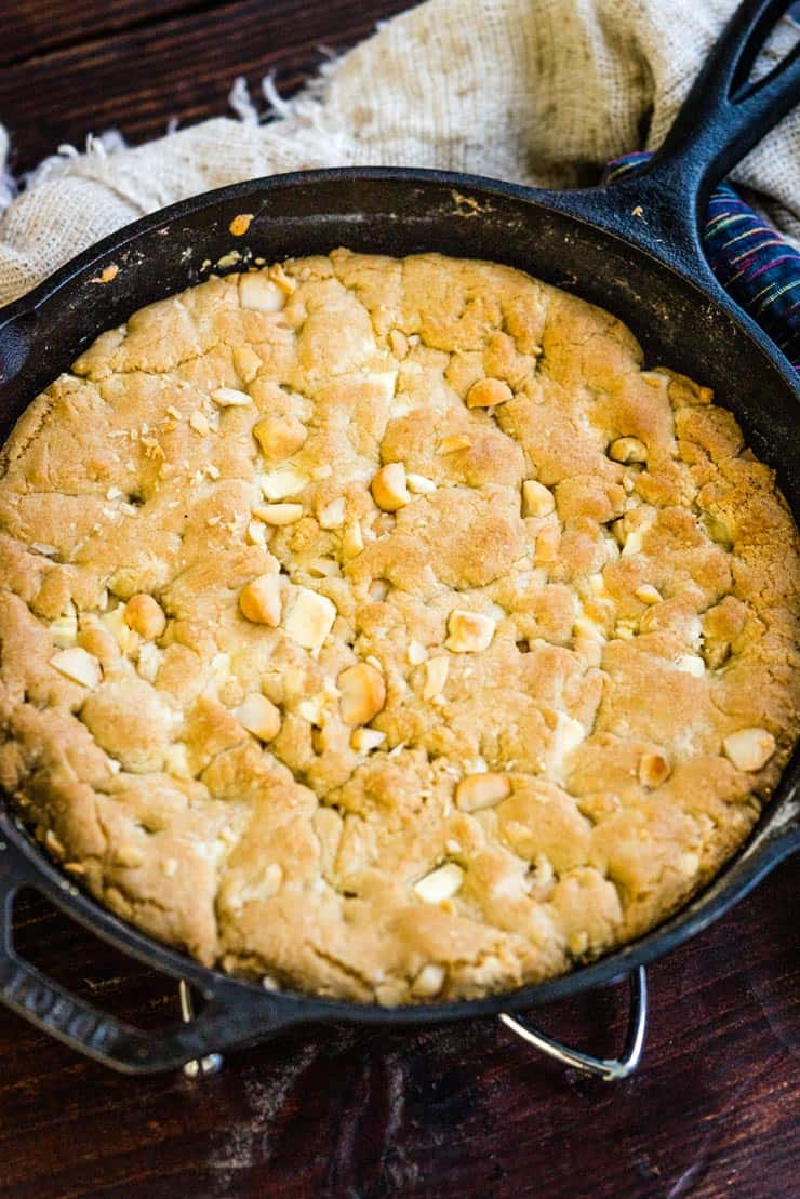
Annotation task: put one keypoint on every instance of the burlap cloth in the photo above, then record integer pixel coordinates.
(536, 91)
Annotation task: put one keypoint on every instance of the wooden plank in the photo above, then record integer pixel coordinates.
(183, 68)
(463, 1110)
(34, 27)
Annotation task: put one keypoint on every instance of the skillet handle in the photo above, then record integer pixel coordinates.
(27, 991)
(607, 1069)
(724, 115)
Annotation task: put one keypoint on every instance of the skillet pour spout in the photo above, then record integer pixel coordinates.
(635, 250)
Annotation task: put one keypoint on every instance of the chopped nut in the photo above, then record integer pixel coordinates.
(148, 661)
(260, 600)
(364, 740)
(260, 717)
(440, 884)
(64, 630)
(323, 568)
(78, 665)
(378, 590)
(691, 664)
(627, 450)
(280, 436)
(654, 769)
(280, 484)
(352, 540)
(311, 619)
(278, 514)
(648, 594)
(470, 632)
(479, 791)
(389, 487)
(363, 691)
(488, 392)
(436, 672)
(199, 423)
(145, 615)
(749, 749)
(231, 397)
(311, 709)
(257, 291)
(537, 500)
(176, 761)
(721, 528)
(419, 485)
(450, 445)
(398, 343)
(241, 223)
(129, 857)
(126, 637)
(417, 653)
(633, 544)
(247, 362)
(331, 515)
(429, 981)
(256, 534)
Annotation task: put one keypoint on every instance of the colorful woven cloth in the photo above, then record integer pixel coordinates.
(755, 265)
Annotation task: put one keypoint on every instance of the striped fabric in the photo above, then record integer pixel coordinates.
(752, 261)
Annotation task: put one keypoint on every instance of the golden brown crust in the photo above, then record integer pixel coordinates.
(383, 627)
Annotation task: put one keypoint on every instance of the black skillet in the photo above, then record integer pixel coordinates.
(633, 248)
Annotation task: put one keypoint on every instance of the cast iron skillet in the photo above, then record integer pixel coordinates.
(634, 249)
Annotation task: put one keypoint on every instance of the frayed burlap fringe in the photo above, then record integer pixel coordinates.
(535, 91)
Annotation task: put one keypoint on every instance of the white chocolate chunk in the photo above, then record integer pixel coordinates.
(691, 664)
(440, 884)
(78, 665)
(176, 761)
(310, 619)
(148, 661)
(436, 672)
(417, 653)
(331, 515)
(429, 981)
(257, 291)
(749, 749)
(470, 632)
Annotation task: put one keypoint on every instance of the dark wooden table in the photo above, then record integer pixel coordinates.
(464, 1111)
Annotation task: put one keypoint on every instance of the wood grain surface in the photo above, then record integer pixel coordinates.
(360, 1114)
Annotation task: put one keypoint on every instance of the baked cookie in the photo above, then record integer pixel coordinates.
(382, 628)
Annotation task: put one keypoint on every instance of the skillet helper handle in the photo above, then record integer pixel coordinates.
(725, 116)
(607, 1069)
(48, 1005)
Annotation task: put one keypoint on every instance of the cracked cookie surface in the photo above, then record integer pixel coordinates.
(382, 627)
